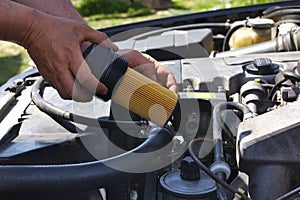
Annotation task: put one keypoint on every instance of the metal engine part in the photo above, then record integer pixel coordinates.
(268, 151)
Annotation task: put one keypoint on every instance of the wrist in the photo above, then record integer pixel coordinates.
(32, 29)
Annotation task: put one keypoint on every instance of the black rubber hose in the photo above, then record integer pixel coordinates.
(225, 46)
(52, 110)
(276, 87)
(41, 179)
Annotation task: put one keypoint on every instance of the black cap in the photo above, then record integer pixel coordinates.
(189, 169)
(107, 66)
(262, 66)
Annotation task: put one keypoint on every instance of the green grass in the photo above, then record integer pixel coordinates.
(14, 59)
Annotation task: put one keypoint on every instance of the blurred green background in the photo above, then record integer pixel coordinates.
(106, 13)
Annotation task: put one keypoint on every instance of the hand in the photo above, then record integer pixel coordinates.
(54, 44)
(151, 68)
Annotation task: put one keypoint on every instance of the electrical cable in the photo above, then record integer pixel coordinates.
(291, 75)
(229, 134)
(218, 139)
(222, 195)
(217, 124)
(290, 194)
(275, 87)
(207, 170)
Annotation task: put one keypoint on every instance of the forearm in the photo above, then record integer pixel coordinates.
(15, 21)
(60, 8)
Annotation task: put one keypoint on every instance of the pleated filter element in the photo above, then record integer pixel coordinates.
(145, 97)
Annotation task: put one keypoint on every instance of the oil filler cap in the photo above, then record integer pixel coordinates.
(261, 66)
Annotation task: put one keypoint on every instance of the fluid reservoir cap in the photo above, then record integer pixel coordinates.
(260, 23)
(189, 169)
(262, 66)
(174, 185)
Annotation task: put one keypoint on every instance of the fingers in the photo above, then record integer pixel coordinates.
(137, 59)
(147, 70)
(56, 51)
(86, 84)
(81, 87)
(165, 77)
(99, 38)
(66, 85)
(74, 80)
(80, 93)
(140, 63)
(148, 66)
(171, 83)
(85, 77)
(71, 89)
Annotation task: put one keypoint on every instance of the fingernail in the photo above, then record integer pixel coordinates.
(115, 48)
(103, 91)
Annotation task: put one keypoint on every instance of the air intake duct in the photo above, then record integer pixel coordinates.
(129, 88)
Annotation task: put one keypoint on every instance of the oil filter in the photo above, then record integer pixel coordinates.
(129, 88)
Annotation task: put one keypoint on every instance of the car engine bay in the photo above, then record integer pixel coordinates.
(235, 135)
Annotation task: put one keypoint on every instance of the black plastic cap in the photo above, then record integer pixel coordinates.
(107, 66)
(262, 66)
(189, 169)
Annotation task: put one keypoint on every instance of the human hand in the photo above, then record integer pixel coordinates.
(151, 68)
(54, 44)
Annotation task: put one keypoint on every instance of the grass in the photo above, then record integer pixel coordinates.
(14, 59)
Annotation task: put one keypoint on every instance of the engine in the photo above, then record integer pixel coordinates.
(234, 135)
